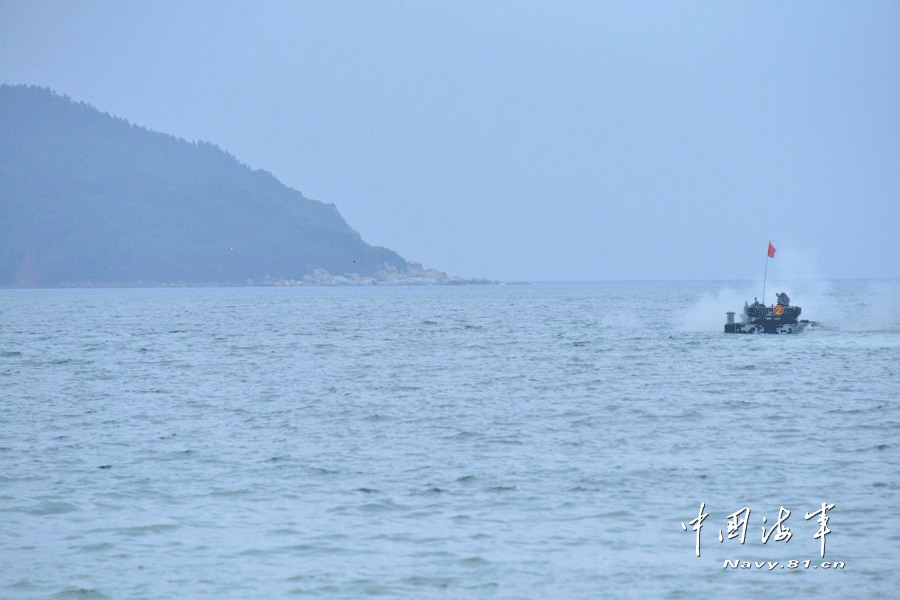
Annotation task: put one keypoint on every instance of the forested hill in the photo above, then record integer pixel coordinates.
(86, 197)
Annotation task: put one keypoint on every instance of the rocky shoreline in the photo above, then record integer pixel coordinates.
(415, 275)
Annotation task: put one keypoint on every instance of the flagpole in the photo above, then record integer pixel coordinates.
(766, 274)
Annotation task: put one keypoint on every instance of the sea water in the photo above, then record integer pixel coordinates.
(527, 441)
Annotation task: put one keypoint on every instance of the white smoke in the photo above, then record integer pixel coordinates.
(707, 313)
(840, 305)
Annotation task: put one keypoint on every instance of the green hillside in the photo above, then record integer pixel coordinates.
(86, 197)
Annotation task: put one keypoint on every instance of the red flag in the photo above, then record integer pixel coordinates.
(771, 250)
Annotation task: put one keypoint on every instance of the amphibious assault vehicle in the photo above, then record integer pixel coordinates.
(759, 318)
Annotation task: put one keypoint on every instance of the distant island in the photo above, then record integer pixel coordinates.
(89, 199)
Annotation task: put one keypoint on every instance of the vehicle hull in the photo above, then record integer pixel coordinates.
(771, 327)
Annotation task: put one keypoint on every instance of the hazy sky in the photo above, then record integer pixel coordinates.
(519, 140)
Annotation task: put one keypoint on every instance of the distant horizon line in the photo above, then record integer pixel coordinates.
(482, 283)
(699, 280)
